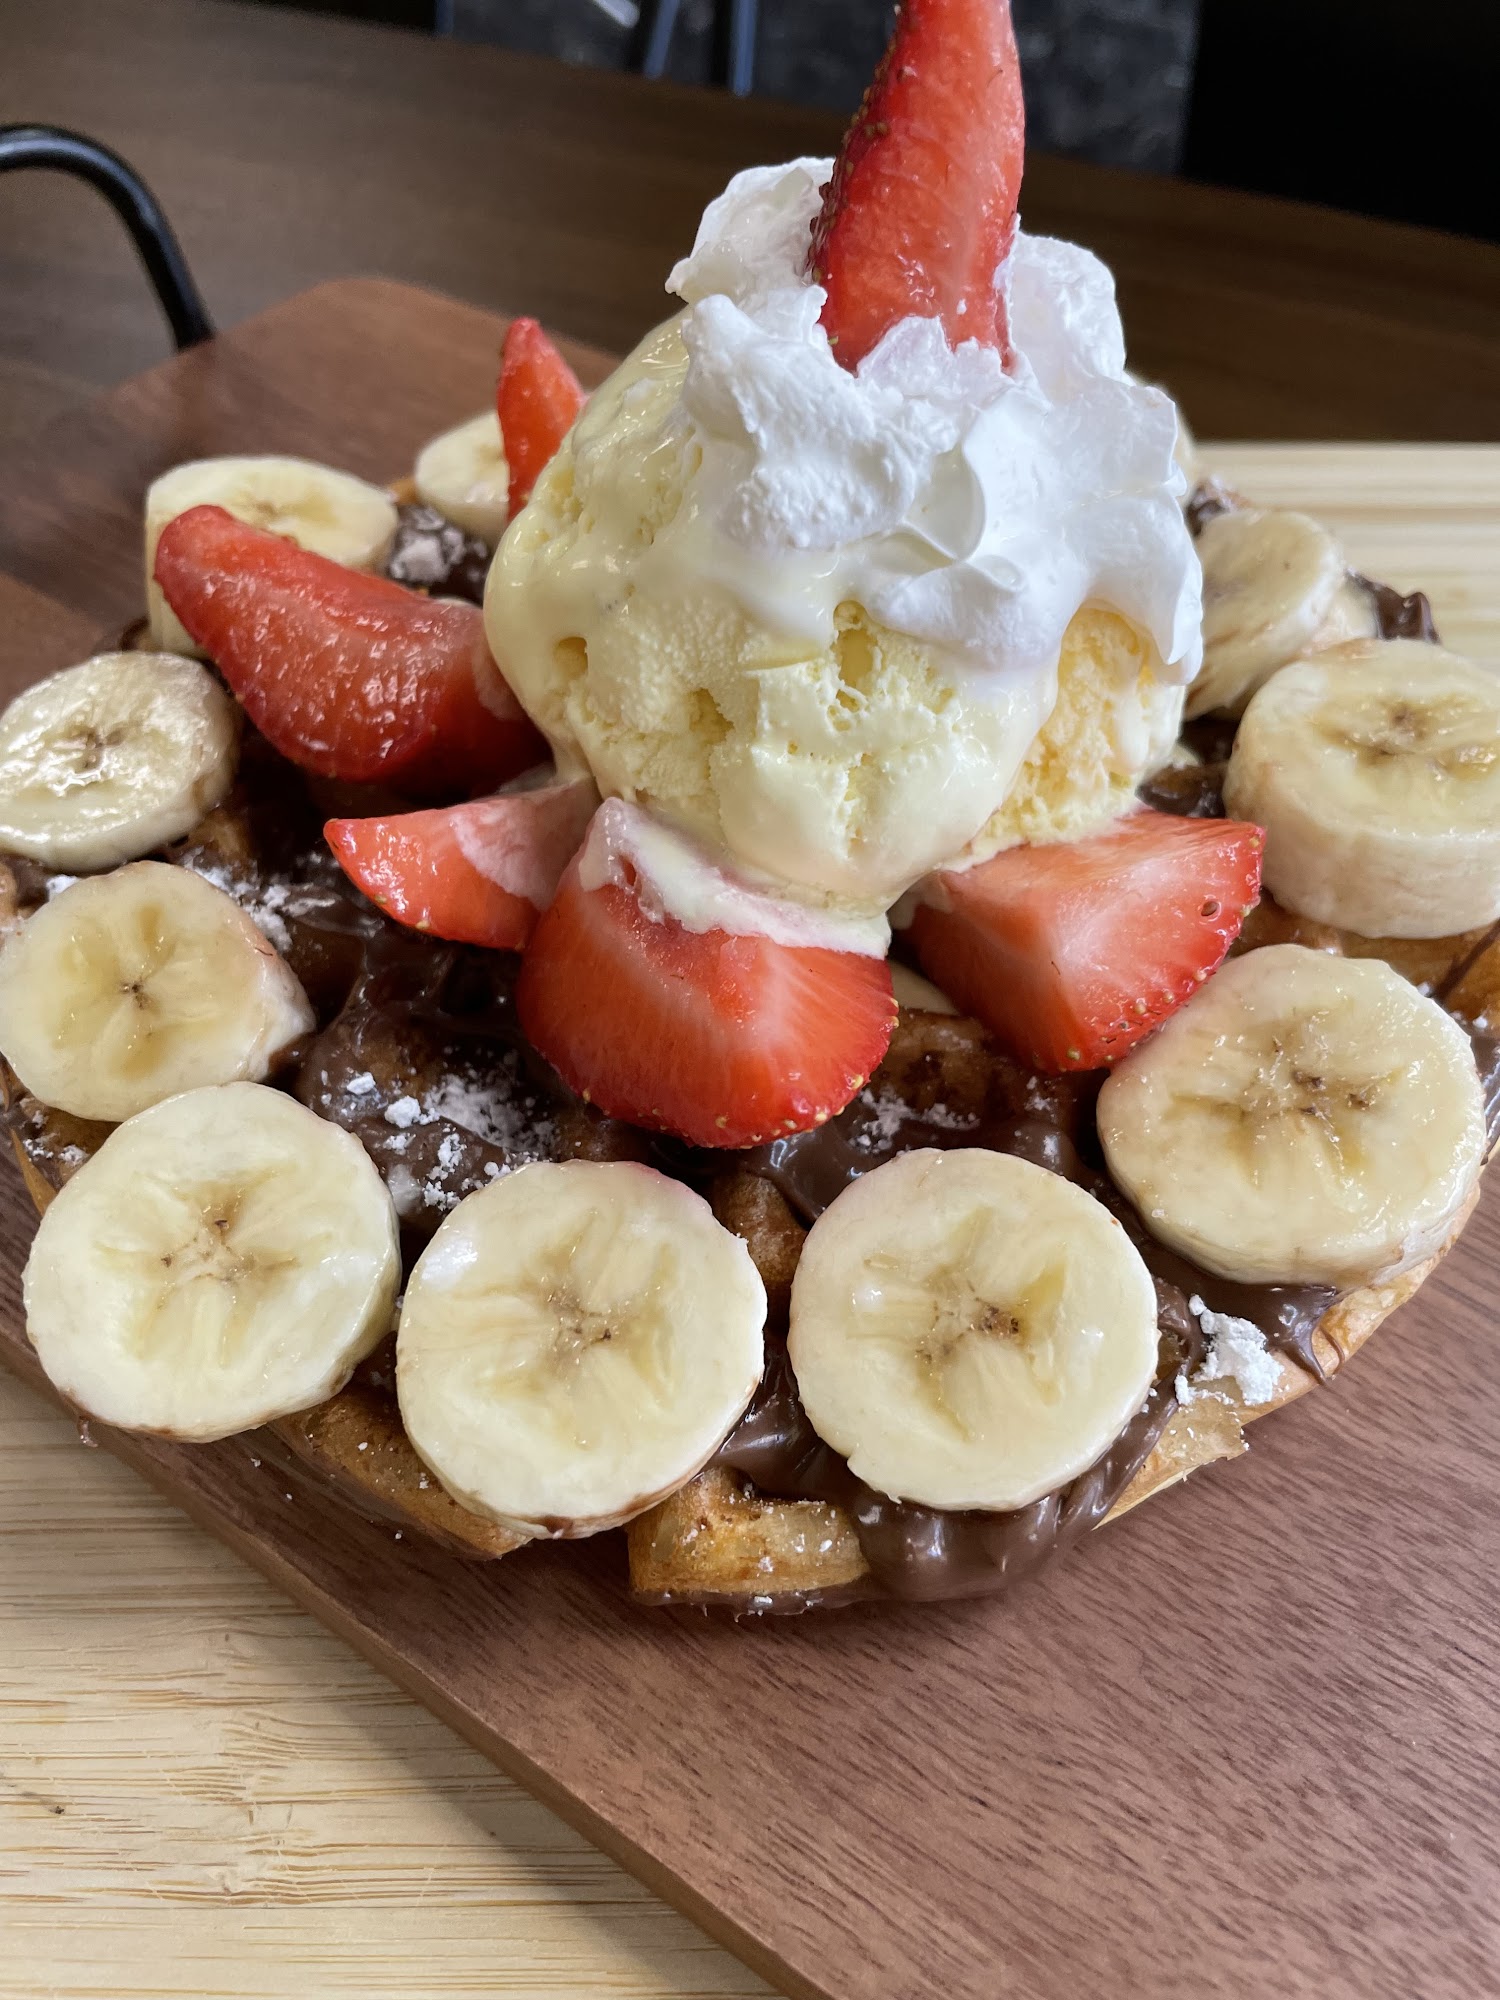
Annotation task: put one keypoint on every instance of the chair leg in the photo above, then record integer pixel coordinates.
(653, 43)
(738, 45)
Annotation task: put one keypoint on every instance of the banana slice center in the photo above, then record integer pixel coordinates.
(965, 1322)
(1451, 740)
(82, 755)
(199, 1265)
(1306, 1083)
(311, 511)
(585, 1328)
(145, 979)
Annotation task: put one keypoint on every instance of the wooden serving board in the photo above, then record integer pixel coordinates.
(1246, 1742)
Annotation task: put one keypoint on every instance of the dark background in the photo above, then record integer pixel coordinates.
(1385, 107)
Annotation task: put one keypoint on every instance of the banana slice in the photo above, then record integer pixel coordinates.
(914, 992)
(102, 762)
(1375, 771)
(970, 1330)
(130, 987)
(1352, 615)
(464, 475)
(332, 513)
(223, 1259)
(576, 1342)
(1304, 1119)
(1272, 580)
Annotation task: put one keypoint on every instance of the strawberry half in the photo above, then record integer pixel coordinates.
(480, 873)
(538, 398)
(346, 674)
(726, 1041)
(920, 213)
(1072, 953)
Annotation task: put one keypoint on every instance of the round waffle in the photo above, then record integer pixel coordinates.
(719, 1542)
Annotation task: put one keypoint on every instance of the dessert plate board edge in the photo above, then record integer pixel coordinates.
(1247, 1740)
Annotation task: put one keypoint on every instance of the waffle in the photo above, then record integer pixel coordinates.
(718, 1542)
(418, 1021)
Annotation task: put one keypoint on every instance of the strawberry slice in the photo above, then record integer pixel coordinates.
(726, 1041)
(480, 873)
(1071, 954)
(346, 674)
(921, 209)
(538, 398)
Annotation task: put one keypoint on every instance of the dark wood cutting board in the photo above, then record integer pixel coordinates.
(1246, 1742)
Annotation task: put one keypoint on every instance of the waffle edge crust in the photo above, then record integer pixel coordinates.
(717, 1543)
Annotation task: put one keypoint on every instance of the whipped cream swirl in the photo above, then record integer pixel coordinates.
(973, 508)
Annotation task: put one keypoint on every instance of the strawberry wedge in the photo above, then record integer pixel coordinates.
(1072, 953)
(346, 674)
(920, 213)
(480, 873)
(538, 398)
(726, 1041)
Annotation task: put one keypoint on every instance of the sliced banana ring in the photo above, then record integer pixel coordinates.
(129, 987)
(917, 994)
(224, 1258)
(1375, 771)
(464, 475)
(576, 1342)
(1304, 1119)
(331, 513)
(970, 1330)
(1272, 580)
(104, 761)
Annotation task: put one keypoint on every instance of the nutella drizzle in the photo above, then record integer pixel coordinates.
(434, 554)
(1398, 617)
(922, 1552)
(925, 1553)
(402, 1020)
(417, 1050)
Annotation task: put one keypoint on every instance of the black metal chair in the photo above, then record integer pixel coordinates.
(127, 194)
(735, 27)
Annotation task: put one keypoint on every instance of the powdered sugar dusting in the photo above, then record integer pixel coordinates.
(501, 1113)
(887, 1115)
(494, 1112)
(266, 904)
(1237, 1353)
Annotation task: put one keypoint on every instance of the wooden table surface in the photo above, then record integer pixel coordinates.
(288, 149)
(199, 1791)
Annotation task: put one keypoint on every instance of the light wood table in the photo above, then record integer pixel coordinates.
(202, 1792)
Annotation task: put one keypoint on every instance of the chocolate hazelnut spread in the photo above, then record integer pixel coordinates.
(418, 1052)
(1398, 617)
(925, 1553)
(434, 554)
(921, 1552)
(1192, 791)
(1208, 499)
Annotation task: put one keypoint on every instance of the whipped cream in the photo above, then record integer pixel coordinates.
(967, 506)
(672, 876)
(813, 619)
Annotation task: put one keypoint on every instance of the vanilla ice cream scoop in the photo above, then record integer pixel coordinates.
(844, 628)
